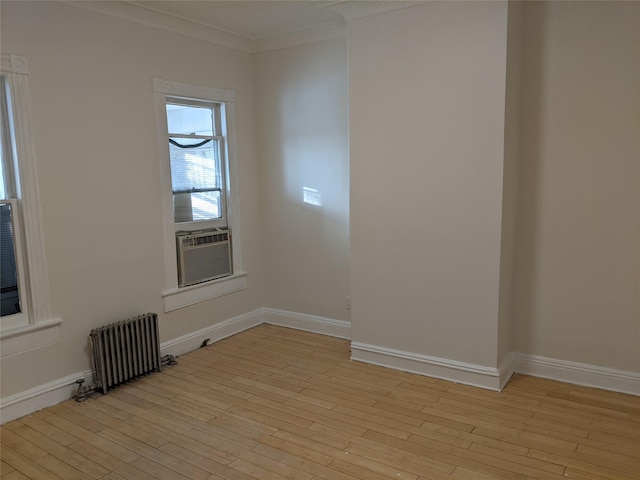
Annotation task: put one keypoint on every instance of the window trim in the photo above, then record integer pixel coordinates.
(41, 328)
(174, 297)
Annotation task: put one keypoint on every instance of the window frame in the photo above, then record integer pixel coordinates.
(218, 135)
(39, 327)
(178, 297)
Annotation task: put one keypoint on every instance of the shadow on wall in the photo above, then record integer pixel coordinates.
(533, 91)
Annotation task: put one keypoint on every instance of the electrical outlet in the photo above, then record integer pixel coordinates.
(347, 302)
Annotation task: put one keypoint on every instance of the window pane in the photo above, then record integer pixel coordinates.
(190, 207)
(188, 120)
(196, 179)
(9, 296)
(194, 168)
(3, 191)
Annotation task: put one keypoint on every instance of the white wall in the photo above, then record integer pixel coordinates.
(95, 133)
(578, 254)
(427, 106)
(512, 134)
(303, 136)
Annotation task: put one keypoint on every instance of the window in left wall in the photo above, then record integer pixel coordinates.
(11, 260)
(25, 317)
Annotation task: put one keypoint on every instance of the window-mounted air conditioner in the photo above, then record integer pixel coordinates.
(203, 255)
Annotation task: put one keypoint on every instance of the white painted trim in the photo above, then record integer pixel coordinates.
(176, 298)
(169, 23)
(351, 10)
(41, 327)
(173, 296)
(175, 89)
(445, 369)
(303, 37)
(578, 373)
(506, 369)
(192, 341)
(34, 399)
(308, 323)
(153, 18)
(30, 337)
(29, 401)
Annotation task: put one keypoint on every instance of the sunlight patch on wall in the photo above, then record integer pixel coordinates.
(312, 196)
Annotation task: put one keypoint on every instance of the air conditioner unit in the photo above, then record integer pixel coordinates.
(203, 255)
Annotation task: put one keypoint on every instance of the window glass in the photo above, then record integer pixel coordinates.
(189, 120)
(196, 169)
(9, 290)
(9, 293)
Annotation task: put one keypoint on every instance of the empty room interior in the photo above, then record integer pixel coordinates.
(381, 239)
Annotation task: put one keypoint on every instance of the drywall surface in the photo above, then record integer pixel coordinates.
(95, 133)
(302, 117)
(578, 255)
(427, 110)
(512, 133)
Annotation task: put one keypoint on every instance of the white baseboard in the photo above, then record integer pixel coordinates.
(42, 396)
(506, 369)
(577, 373)
(452, 370)
(29, 401)
(32, 400)
(192, 341)
(308, 323)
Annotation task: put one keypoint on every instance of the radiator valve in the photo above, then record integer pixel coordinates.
(83, 391)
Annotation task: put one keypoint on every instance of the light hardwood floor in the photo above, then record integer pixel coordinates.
(274, 403)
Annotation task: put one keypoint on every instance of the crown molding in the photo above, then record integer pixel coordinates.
(353, 9)
(152, 18)
(349, 10)
(303, 37)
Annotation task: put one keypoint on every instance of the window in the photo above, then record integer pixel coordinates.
(11, 259)
(25, 318)
(199, 179)
(197, 171)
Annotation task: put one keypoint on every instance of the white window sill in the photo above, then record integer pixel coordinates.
(176, 298)
(29, 337)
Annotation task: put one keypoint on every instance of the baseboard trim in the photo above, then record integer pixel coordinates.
(42, 396)
(445, 369)
(308, 323)
(192, 341)
(32, 400)
(506, 369)
(577, 373)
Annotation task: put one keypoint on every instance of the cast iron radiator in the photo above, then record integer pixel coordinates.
(123, 351)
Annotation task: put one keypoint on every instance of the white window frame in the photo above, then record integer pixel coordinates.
(175, 297)
(38, 327)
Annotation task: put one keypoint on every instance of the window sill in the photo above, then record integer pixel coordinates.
(29, 337)
(183, 297)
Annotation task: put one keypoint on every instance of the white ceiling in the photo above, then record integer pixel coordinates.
(253, 20)
(263, 19)
(247, 25)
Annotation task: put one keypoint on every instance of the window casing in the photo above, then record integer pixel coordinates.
(200, 188)
(31, 324)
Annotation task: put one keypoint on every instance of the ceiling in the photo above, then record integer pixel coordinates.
(247, 25)
(253, 20)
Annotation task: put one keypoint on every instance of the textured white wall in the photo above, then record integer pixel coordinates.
(578, 255)
(302, 115)
(95, 131)
(427, 103)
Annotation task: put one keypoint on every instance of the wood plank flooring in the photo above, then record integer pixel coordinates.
(274, 403)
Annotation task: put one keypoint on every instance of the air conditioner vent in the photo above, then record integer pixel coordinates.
(203, 255)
